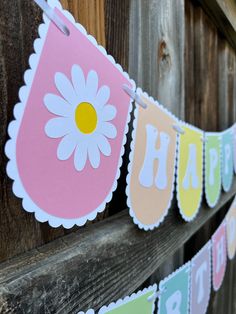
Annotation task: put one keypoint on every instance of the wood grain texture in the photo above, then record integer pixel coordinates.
(110, 259)
(202, 67)
(95, 266)
(91, 14)
(156, 63)
(157, 50)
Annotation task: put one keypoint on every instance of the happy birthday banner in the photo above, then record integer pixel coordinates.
(188, 289)
(67, 139)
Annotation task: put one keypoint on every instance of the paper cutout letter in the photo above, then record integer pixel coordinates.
(227, 159)
(219, 255)
(138, 303)
(231, 230)
(174, 292)
(67, 140)
(212, 168)
(190, 171)
(201, 280)
(152, 164)
(146, 176)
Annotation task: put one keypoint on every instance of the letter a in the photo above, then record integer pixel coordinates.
(173, 303)
(146, 176)
(191, 171)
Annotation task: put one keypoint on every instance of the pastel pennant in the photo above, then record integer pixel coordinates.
(174, 292)
(67, 140)
(234, 146)
(138, 303)
(201, 280)
(231, 230)
(219, 256)
(212, 167)
(152, 164)
(190, 171)
(227, 159)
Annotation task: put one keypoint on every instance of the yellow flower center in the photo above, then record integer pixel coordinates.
(86, 117)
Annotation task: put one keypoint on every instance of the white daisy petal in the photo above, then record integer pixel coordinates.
(104, 145)
(92, 84)
(78, 80)
(108, 129)
(80, 157)
(66, 88)
(108, 113)
(94, 155)
(57, 105)
(103, 95)
(58, 127)
(66, 147)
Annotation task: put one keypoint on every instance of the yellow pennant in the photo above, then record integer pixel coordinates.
(190, 171)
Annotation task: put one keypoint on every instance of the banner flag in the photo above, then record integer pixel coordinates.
(234, 146)
(68, 138)
(201, 280)
(138, 303)
(231, 230)
(190, 171)
(212, 167)
(227, 159)
(150, 181)
(174, 292)
(219, 255)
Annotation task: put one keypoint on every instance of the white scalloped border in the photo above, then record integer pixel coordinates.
(90, 311)
(212, 205)
(230, 129)
(134, 296)
(233, 204)
(166, 279)
(186, 218)
(140, 92)
(13, 128)
(208, 246)
(226, 256)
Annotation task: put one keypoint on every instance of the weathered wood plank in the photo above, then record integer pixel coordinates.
(94, 266)
(157, 50)
(205, 72)
(91, 14)
(156, 62)
(222, 13)
(226, 85)
(189, 63)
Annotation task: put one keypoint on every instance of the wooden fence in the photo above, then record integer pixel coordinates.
(182, 53)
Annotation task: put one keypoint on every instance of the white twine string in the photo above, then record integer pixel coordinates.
(178, 129)
(53, 16)
(134, 96)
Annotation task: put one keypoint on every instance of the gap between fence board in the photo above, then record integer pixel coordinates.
(222, 13)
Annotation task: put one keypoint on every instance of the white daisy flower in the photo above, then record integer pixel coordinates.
(83, 118)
